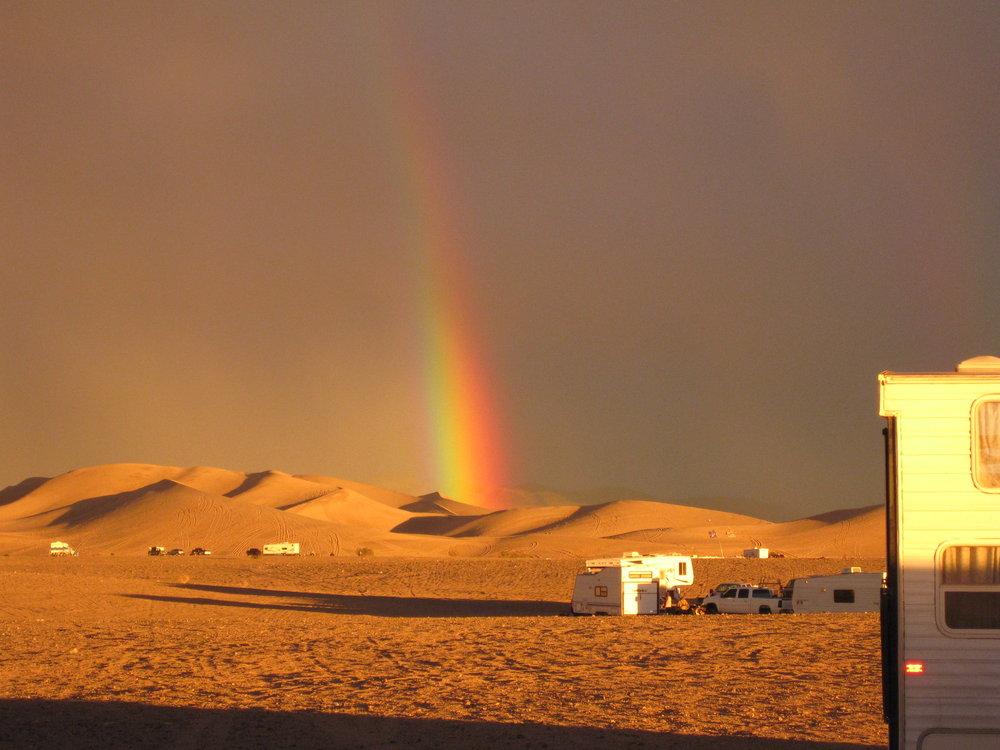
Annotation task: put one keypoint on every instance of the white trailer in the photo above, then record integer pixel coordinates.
(633, 584)
(848, 591)
(941, 610)
(281, 548)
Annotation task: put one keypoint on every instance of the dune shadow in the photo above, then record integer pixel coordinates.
(360, 604)
(15, 492)
(117, 725)
(432, 525)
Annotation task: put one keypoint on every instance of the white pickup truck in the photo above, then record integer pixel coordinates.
(742, 599)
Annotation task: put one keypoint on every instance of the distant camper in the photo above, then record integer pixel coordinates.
(756, 552)
(631, 585)
(281, 548)
(62, 549)
(941, 619)
(849, 591)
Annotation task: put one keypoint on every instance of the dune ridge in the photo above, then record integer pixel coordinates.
(124, 509)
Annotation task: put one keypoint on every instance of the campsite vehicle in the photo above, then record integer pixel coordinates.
(941, 606)
(741, 599)
(281, 548)
(62, 549)
(154, 551)
(756, 552)
(723, 587)
(633, 584)
(176, 551)
(200, 551)
(848, 591)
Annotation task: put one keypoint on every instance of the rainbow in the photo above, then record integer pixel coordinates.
(467, 453)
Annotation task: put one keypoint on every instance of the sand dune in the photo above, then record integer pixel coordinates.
(124, 509)
(437, 503)
(379, 494)
(350, 507)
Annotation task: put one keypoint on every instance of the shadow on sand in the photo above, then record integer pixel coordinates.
(350, 604)
(114, 725)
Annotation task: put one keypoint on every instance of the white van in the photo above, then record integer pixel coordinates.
(941, 610)
(633, 584)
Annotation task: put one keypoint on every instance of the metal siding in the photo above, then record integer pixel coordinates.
(960, 686)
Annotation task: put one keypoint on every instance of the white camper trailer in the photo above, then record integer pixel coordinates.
(848, 591)
(62, 549)
(633, 584)
(281, 548)
(941, 610)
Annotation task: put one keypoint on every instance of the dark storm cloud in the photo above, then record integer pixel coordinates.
(695, 233)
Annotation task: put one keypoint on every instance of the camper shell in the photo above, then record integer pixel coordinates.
(62, 549)
(632, 584)
(281, 548)
(941, 607)
(848, 591)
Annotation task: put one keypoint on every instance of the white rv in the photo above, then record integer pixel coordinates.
(848, 591)
(281, 548)
(941, 610)
(633, 584)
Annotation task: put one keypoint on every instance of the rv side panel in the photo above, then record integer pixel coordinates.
(944, 689)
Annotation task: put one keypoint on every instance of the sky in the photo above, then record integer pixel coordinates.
(454, 246)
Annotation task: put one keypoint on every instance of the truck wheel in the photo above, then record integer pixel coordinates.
(765, 610)
(711, 609)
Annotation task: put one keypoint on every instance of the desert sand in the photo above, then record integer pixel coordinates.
(452, 633)
(190, 652)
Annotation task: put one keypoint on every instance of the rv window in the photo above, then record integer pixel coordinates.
(843, 596)
(600, 590)
(986, 445)
(682, 568)
(970, 584)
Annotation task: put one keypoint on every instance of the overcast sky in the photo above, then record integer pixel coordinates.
(689, 234)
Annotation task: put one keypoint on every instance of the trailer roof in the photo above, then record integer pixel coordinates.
(987, 365)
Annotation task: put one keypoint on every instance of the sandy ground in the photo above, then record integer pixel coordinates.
(176, 653)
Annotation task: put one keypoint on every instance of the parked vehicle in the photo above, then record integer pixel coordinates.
(742, 599)
(62, 549)
(633, 584)
(941, 607)
(176, 551)
(154, 551)
(848, 591)
(200, 551)
(281, 548)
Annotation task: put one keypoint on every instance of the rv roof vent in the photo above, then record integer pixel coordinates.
(983, 365)
(854, 569)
